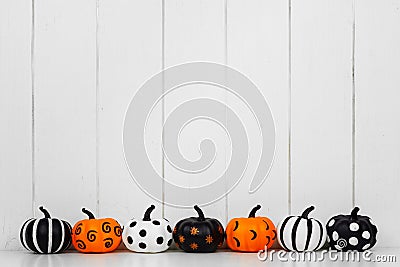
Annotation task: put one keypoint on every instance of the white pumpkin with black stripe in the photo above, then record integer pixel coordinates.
(147, 235)
(300, 233)
(45, 235)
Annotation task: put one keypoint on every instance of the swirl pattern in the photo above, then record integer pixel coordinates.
(341, 243)
(105, 227)
(78, 229)
(117, 230)
(91, 235)
(108, 242)
(80, 244)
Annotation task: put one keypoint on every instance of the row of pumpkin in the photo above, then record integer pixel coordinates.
(198, 234)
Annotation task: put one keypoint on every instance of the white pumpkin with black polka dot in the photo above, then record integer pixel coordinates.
(351, 232)
(147, 235)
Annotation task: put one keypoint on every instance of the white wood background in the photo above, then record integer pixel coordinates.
(330, 70)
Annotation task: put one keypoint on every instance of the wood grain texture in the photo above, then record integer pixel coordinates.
(15, 117)
(377, 80)
(129, 54)
(194, 31)
(258, 35)
(321, 106)
(65, 107)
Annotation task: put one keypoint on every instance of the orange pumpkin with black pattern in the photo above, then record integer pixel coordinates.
(250, 234)
(198, 234)
(96, 235)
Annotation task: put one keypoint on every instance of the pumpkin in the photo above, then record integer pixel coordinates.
(351, 232)
(300, 233)
(250, 234)
(147, 235)
(45, 235)
(96, 235)
(198, 234)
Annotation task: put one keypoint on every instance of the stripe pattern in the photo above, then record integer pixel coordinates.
(296, 233)
(46, 235)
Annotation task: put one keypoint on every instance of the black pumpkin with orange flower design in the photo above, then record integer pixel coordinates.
(198, 234)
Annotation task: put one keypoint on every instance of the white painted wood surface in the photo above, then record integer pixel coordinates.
(321, 121)
(377, 76)
(16, 120)
(65, 107)
(194, 31)
(258, 35)
(129, 53)
(222, 258)
(90, 57)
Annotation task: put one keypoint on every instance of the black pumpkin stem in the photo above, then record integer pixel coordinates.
(354, 213)
(200, 212)
(254, 210)
(146, 216)
(88, 213)
(45, 212)
(305, 213)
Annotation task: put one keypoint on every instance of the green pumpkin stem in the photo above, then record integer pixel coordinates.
(354, 213)
(200, 212)
(254, 210)
(146, 216)
(305, 213)
(45, 212)
(88, 213)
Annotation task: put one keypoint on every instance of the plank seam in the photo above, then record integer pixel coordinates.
(353, 108)
(33, 143)
(290, 109)
(97, 111)
(163, 105)
(226, 99)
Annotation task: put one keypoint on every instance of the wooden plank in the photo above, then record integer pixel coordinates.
(65, 107)
(130, 53)
(258, 35)
(321, 106)
(377, 80)
(194, 31)
(15, 117)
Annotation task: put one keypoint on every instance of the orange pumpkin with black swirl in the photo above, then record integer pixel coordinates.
(96, 235)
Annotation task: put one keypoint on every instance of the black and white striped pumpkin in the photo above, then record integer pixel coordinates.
(45, 235)
(300, 233)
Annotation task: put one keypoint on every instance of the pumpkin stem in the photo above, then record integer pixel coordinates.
(45, 212)
(254, 210)
(354, 213)
(200, 212)
(88, 213)
(146, 216)
(305, 213)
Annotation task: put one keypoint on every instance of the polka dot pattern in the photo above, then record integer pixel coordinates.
(142, 233)
(354, 227)
(351, 232)
(335, 236)
(366, 235)
(353, 241)
(160, 240)
(147, 236)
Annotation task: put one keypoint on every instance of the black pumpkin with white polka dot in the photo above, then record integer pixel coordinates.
(351, 232)
(147, 235)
